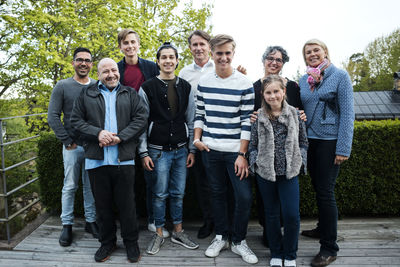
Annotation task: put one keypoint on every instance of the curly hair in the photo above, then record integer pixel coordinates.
(273, 50)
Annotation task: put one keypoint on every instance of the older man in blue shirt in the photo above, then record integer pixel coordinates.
(110, 117)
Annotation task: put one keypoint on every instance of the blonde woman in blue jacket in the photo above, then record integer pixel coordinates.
(327, 96)
(278, 149)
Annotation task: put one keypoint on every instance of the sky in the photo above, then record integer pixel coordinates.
(345, 26)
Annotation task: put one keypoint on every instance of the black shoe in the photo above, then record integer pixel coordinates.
(205, 230)
(314, 233)
(66, 236)
(92, 228)
(321, 260)
(132, 252)
(104, 252)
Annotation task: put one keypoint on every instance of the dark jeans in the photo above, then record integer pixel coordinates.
(203, 189)
(113, 185)
(323, 172)
(217, 164)
(282, 195)
(260, 204)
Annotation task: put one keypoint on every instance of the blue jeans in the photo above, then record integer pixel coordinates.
(323, 172)
(169, 180)
(74, 164)
(282, 195)
(217, 164)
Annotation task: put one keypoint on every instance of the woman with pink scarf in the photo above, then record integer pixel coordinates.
(327, 96)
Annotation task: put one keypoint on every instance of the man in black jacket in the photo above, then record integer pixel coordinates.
(164, 148)
(110, 117)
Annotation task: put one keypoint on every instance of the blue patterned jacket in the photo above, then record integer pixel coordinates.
(330, 109)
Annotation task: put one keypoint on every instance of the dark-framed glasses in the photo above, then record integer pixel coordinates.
(277, 60)
(81, 60)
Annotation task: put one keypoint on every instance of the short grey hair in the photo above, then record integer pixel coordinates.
(272, 50)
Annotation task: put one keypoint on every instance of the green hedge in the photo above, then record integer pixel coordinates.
(368, 183)
(51, 173)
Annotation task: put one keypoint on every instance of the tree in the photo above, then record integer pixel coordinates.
(37, 38)
(373, 69)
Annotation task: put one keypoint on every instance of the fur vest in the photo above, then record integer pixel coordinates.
(265, 157)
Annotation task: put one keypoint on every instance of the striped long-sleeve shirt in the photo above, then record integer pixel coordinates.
(223, 110)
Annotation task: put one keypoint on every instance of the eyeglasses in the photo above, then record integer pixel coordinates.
(277, 60)
(81, 60)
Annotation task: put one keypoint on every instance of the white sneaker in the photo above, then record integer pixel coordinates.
(243, 250)
(276, 262)
(290, 263)
(152, 228)
(217, 244)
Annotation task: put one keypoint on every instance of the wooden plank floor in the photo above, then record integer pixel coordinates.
(367, 242)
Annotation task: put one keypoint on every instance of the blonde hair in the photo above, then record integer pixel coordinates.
(124, 33)
(222, 39)
(267, 82)
(315, 42)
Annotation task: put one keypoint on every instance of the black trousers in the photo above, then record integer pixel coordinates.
(202, 187)
(112, 186)
(323, 172)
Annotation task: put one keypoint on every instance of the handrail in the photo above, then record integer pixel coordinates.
(17, 164)
(22, 116)
(20, 140)
(5, 194)
(19, 187)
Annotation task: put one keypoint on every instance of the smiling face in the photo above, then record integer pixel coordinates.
(167, 61)
(200, 49)
(82, 64)
(222, 56)
(314, 55)
(130, 45)
(273, 63)
(108, 73)
(274, 95)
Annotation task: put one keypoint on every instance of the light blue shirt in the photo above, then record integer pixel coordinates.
(110, 124)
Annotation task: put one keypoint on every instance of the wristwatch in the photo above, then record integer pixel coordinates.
(243, 154)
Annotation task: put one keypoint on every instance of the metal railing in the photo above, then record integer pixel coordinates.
(6, 194)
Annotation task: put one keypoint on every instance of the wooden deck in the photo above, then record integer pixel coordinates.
(367, 242)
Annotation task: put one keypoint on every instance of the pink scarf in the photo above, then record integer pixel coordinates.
(315, 76)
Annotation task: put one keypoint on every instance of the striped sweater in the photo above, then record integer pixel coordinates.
(223, 110)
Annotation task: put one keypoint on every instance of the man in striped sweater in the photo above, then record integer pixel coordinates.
(225, 100)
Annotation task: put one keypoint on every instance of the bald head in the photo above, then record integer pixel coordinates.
(105, 61)
(108, 73)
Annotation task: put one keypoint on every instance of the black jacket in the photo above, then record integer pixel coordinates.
(88, 118)
(165, 131)
(148, 68)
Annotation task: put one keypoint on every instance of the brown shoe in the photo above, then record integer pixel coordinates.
(321, 260)
(313, 233)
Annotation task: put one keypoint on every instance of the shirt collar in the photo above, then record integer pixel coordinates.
(209, 63)
(104, 88)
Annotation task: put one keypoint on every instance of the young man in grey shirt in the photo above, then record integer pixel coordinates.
(62, 99)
